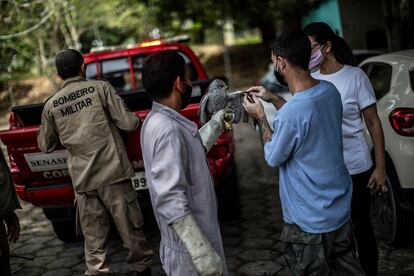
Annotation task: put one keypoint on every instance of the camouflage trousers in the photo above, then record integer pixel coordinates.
(329, 253)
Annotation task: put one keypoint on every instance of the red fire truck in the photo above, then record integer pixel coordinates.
(43, 179)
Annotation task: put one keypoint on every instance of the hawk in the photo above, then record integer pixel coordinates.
(219, 97)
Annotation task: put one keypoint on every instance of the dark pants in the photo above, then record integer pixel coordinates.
(361, 220)
(4, 250)
(320, 254)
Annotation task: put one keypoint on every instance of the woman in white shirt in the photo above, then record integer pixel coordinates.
(336, 64)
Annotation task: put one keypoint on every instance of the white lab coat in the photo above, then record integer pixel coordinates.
(180, 183)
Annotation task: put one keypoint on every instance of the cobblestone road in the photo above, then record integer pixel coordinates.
(251, 243)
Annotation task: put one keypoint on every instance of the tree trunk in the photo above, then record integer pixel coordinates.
(10, 91)
(408, 26)
(9, 82)
(58, 24)
(44, 66)
(391, 11)
(73, 31)
(55, 39)
(199, 36)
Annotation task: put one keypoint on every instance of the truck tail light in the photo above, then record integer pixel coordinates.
(402, 121)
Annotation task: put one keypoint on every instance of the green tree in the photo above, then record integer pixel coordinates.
(399, 23)
(33, 32)
(262, 14)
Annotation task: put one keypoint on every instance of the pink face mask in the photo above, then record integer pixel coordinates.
(316, 58)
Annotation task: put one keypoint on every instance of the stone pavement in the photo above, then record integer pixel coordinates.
(251, 243)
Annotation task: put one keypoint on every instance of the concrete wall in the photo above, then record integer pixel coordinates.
(358, 18)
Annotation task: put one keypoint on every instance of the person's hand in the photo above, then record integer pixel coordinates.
(206, 260)
(253, 107)
(219, 116)
(261, 92)
(13, 226)
(377, 181)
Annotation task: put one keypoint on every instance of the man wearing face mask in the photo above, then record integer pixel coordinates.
(85, 116)
(315, 186)
(266, 95)
(179, 179)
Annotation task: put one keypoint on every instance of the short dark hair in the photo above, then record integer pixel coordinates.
(159, 72)
(293, 46)
(321, 33)
(68, 63)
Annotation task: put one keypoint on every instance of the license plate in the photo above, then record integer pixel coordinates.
(139, 182)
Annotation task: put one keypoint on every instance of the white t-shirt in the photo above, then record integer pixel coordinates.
(356, 94)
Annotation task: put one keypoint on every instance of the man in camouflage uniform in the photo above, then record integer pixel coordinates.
(84, 116)
(8, 204)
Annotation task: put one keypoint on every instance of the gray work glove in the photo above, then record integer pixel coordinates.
(206, 261)
(213, 129)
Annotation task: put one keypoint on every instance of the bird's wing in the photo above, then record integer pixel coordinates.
(202, 112)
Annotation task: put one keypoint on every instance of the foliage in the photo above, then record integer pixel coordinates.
(399, 21)
(33, 32)
(196, 16)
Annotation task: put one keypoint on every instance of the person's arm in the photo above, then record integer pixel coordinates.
(256, 111)
(366, 102)
(205, 259)
(278, 145)
(13, 226)
(283, 144)
(47, 137)
(120, 114)
(261, 92)
(373, 123)
(8, 201)
(169, 186)
(169, 180)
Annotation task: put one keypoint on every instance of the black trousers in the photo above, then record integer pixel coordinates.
(361, 220)
(4, 250)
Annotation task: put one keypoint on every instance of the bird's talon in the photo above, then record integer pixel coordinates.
(227, 125)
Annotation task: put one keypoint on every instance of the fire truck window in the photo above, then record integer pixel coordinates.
(116, 71)
(190, 70)
(138, 63)
(91, 71)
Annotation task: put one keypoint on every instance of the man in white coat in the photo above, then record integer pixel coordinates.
(180, 183)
